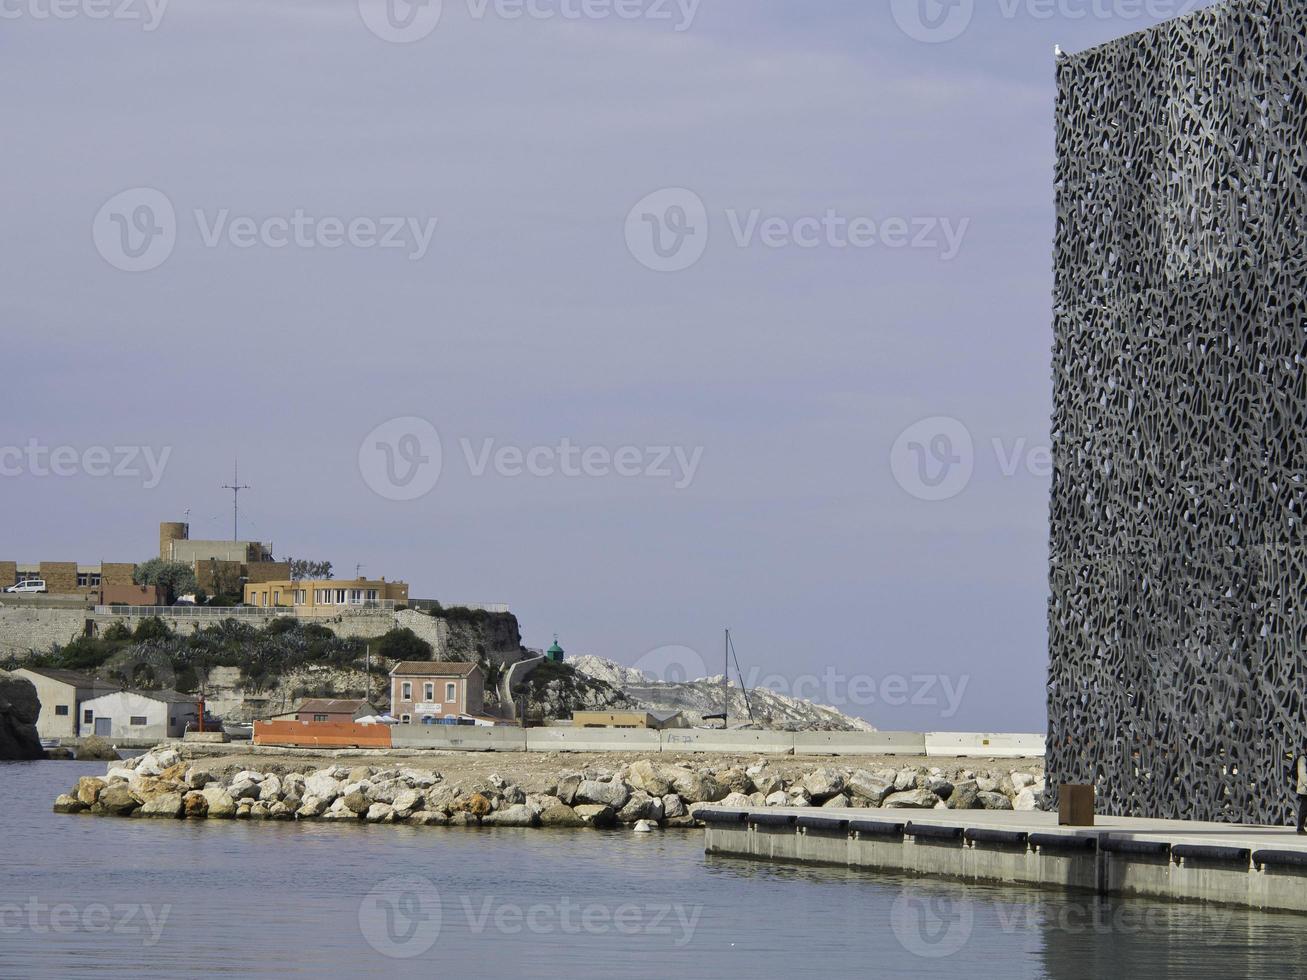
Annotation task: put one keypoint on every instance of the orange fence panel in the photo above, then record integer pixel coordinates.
(322, 734)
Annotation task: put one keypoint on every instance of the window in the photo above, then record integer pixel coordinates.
(451, 691)
(321, 718)
(276, 597)
(88, 716)
(340, 597)
(372, 595)
(301, 596)
(429, 692)
(406, 719)
(139, 721)
(61, 710)
(406, 691)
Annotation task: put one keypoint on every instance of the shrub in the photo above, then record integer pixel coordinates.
(403, 644)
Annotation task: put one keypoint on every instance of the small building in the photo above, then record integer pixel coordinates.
(131, 595)
(333, 710)
(325, 596)
(426, 692)
(62, 693)
(139, 714)
(654, 720)
(555, 653)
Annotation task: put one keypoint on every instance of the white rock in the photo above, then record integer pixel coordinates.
(1026, 800)
(323, 785)
(645, 827)
(778, 799)
(1020, 780)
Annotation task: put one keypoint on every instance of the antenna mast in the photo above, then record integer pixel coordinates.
(235, 487)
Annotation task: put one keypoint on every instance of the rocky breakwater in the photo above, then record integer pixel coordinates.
(19, 708)
(643, 794)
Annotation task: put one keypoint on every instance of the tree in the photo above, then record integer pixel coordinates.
(403, 644)
(301, 569)
(173, 578)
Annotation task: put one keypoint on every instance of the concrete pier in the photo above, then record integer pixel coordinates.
(1257, 867)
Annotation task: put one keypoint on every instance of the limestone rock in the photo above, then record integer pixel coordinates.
(913, 799)
(905, 779)
(198, 778)
(221, 805)
(673, 806)
(766, 783)
(516, 815)
(270, 789)
(778, 799)
(380, 813)
(646, 827)
(695, 787)
(280, 811)
(96, 749)
(823, 783)
(560, 815)
(650, 778)
(596, 815)
(871, 788)
(195, 806)
(165, 805)
(1026, 800)
(357, 802)
(426, 818)
(88, 789)
(311, 807)
(407, 803)
(117, 800)
(68, 803)
(995, 801)
(834, 801)
(965, 796)
(322, 785)
(613, 794)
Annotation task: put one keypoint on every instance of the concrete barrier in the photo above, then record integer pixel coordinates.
(592, 740)
(459, 738)
(959, 745)
(859, 743)
(697, 740)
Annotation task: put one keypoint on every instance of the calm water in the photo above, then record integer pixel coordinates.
(88, 897)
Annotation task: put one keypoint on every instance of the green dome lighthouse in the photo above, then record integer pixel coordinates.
(555, 653)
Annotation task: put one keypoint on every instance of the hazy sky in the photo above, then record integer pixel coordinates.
(640, 442)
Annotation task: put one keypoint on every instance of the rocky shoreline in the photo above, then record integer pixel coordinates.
(644, 793)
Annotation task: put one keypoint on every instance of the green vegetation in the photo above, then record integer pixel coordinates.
(174, 578)
(404, 644)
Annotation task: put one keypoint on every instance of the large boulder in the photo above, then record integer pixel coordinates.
(560, 815)
(19, 708)
(865, 786)
(673, 806)
(357, 802)
(67, 803)
(221, 805)
(766, 783)
(117, 800)
(517, 815)
(96, 749)
(194, 805)
(696, 787)
(912, 799)
(650, 778)
(613, 794)
(995, 801)
(595, 815)
(1026, 800)
(965, 796)
(166, 805)
(322, 785)
(823, 783)
(88, 789)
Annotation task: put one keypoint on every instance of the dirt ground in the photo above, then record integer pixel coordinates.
(533, 769)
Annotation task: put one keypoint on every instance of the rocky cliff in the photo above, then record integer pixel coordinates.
(704, 697)
(18, 710)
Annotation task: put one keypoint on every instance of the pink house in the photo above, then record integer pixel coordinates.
(426, 692)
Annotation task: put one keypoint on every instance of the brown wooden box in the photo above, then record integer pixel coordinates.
(1075, 805)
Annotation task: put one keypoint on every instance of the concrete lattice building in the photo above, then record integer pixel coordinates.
(1178, 621)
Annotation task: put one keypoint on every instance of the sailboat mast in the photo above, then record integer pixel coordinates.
(726, 685)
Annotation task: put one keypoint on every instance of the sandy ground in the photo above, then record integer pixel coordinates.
(534, 769)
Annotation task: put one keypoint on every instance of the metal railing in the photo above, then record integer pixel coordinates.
(248, 612)
(491, 607)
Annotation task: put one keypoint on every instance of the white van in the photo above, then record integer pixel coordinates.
(28, 585)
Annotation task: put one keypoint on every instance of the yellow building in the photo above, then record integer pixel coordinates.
(325, 596)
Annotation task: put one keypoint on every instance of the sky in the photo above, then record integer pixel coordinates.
(649, 318)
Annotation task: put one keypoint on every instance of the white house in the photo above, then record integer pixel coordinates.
(139, 714)
(61, 693)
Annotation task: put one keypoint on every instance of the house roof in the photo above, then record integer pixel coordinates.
(434, 668)
(166, 697)
(73, 678)
(333, 705)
